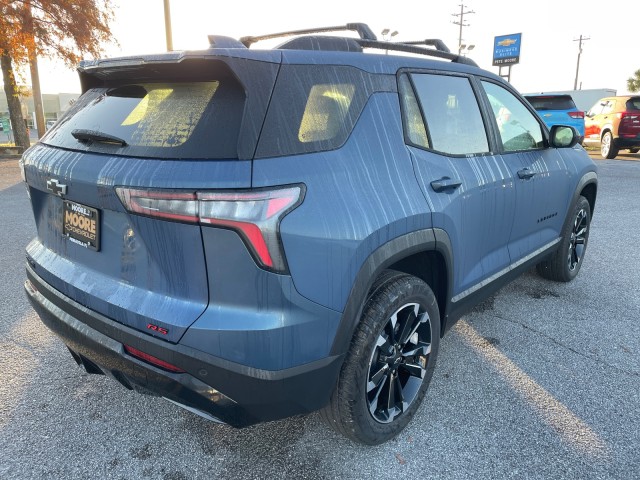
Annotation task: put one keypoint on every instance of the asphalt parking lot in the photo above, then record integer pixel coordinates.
(540, 381)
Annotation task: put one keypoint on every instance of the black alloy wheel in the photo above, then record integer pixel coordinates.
(578, 239)
(390, 362)
(398, 362)
(564, 264)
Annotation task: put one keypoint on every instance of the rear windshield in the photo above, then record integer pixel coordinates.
(555, 102)
(160, 120)
(633, 103)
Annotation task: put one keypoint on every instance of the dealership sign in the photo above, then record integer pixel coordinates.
(506, 49)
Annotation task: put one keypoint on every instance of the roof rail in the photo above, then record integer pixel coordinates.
(403, 47)
(434, 42)
(362, 28)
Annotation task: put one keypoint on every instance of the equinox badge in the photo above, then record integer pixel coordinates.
(56, 188)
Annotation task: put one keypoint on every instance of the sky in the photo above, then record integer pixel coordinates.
(549, 27)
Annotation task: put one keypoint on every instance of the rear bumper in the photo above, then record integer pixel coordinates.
(626, 142)
(231, 392)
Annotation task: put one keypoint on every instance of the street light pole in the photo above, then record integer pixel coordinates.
(460, 22)
(167, 25)
(385, 32)
(581, 39)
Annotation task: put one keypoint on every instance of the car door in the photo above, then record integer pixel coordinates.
(591, 126)
(542, 176)
(469, 189)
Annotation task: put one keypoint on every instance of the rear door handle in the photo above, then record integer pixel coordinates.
(526, 174)
(445, 183)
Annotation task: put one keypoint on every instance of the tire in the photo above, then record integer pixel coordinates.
(565, 263)
(607, 146)
(395, 344)
(634, 150)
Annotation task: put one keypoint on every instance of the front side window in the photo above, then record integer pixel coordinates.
(518, 127)
(452, 114)
(595, 110)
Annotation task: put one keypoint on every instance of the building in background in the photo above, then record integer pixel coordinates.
(54, 106)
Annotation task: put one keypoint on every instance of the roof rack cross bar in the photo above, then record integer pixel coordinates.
(434, 42)
(362, 28)
(402, 47)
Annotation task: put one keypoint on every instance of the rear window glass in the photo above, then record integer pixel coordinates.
(633, 104)
(314, 108)
(160, 120)
(560, 102)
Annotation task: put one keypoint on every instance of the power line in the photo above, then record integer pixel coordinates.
(461, 22)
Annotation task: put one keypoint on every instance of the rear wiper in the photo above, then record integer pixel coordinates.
(93, 136)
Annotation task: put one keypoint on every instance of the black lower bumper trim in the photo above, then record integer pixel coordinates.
(236, 394)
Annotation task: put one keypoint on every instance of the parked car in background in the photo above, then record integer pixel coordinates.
(613, 124)
(558, 110)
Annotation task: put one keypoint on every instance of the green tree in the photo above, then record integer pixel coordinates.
(64, 29)
(633, 83)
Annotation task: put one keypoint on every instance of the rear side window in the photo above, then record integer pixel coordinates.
(411, 115)
(609, 107)
(633, 103)
(325, 112)
(453, 118)
(159, 120)
(314, 108)
(558, 102)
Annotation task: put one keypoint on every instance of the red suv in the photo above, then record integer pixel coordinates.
(613, 123)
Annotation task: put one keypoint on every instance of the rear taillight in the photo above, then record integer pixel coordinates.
(628, 115)
(629, 124)
(254, 214)
(576, 114)
(140, 355)
(170, 205)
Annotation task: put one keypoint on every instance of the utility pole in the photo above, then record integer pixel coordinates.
(460, 22)
(35, 75)
(167, 25)
(581, 39)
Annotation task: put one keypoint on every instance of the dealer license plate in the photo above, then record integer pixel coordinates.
(81, 225)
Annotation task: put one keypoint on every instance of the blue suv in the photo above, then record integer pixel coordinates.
(253, 234)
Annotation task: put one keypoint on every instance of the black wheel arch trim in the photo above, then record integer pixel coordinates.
(589, 178)
(432, 239)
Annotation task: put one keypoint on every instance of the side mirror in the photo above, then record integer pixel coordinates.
(563, 136)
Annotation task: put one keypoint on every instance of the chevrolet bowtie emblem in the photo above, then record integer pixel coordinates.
(56, 188)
